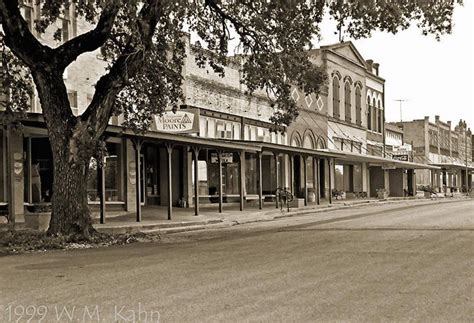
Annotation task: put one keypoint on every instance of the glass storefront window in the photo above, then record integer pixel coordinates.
(339, 178)
(251, 174)
(41, 172)
(113, 176)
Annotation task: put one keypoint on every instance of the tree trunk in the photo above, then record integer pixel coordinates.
(70, 211)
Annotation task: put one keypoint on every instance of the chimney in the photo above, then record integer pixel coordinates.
(376, 68)
(369, 64)
(437, 119)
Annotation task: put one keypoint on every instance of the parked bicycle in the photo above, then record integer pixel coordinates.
(284, 197)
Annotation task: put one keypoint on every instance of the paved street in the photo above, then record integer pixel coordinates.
(369, 263)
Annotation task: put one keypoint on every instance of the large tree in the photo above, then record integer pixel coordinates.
(143, 43)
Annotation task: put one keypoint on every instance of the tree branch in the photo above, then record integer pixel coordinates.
(125, 67)
(90, 41)
(20, 39)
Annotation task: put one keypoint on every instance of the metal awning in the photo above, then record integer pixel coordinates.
(184, 140)
(383, 161)
(285, 149)
(453, 166)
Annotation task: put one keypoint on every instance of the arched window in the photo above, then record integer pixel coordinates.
(369, 114)
(347, 102)
(358, 106)
(374, 115)
(380, 119)
(335, 97)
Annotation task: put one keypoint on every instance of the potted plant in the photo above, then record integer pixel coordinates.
(427, 191)
(382, 193)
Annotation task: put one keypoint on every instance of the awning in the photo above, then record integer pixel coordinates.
(285, 149)
(384, 162)
(453, 166)
(183, 140)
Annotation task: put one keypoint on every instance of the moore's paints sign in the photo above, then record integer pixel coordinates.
(177, 122)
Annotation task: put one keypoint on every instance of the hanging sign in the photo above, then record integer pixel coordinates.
(227, 158)
(177, 122)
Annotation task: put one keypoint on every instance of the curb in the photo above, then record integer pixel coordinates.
(180, 227)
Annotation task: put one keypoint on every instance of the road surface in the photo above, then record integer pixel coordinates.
(369, 263)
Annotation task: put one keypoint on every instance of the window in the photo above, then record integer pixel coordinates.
(380, 119)
(65, 25)
(374, 116)
(72, 96)
(358, 102)
(347, 102)
(369, 115)
(335, 97)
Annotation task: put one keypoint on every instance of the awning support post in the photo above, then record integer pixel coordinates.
(316, 180)
(196, 180)
(137, 144)
(259, 167)
(169, 150)
(305, 175)
(331, 174)
(101, 189)
(219, 160)
(241, 178)
(277, 175)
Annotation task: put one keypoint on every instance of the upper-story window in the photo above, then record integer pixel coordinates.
(358, 102)
(369, 114)
(347, 102)
(28, 13)
(380, 118)
(374, 115)
(335, 97)
(65, 25)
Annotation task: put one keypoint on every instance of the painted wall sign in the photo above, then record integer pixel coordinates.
(178, 122)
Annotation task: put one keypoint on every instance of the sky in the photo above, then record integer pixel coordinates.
(435, 77)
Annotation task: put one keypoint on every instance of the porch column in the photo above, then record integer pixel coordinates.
(413, 182)
(169, 150)
(317, 177)
(259, 188)
(137, 144)
(241, 178)
(305, 176)
(277, 175)
(101, 190)
(11, 177)
(219, 160)
(330, 177)
(292, 180)
(386, 181)
(196, 180)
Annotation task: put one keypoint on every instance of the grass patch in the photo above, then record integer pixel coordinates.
(16, 242)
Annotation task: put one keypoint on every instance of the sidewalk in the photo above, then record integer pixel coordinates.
(154, 219)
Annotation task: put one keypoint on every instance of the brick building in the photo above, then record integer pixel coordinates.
(436, 143)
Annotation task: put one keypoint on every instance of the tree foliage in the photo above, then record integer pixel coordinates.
(143, 43)
(273, 36)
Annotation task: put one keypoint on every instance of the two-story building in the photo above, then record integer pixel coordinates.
(436, 143)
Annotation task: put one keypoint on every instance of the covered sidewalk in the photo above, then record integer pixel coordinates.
(452, 177)
(381, 175)
(194, 144)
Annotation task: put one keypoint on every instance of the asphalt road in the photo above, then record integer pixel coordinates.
(370, 263)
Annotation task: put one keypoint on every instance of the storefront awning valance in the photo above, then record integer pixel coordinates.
(385, 162)
(184, 140)
(284, 149)
(453, 166)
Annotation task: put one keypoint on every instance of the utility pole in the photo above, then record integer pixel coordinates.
(401, 101)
